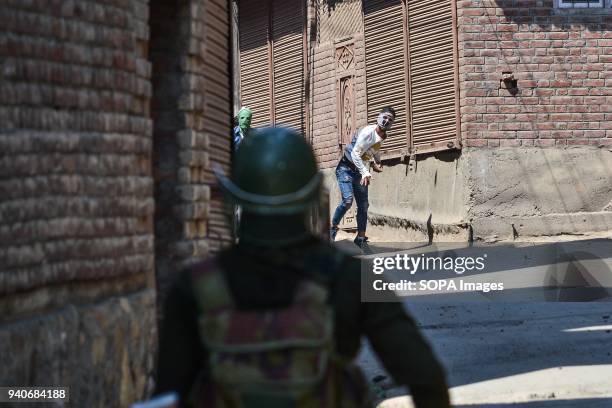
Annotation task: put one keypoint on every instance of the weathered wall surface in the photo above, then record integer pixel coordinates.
(423, 199)
(76, 198)
(521, 192)
(554, 176)
(102, 351)
(427, 196)
(562, 60)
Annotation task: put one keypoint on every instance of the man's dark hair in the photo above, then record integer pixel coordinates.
(389, 109)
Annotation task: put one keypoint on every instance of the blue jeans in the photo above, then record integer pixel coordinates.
(348, 181)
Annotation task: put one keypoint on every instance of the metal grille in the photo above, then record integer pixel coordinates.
(385, 68)
(254, 60)
(432, 74)
(288, 51)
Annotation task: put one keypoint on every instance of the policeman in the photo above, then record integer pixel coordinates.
(277, 320)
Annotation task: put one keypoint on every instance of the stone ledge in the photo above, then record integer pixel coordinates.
(402, 229)
(550, 225)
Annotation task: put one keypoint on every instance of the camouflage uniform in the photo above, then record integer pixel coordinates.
(277, 320)
(261, 279)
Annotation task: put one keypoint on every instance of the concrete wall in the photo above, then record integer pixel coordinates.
(426, 196)
(522, 192)
(76, 199)
(418, 200)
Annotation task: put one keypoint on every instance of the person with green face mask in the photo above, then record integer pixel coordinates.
(244, 126)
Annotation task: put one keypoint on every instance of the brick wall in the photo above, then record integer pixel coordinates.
(562, 60)
(75, 138)
(334, 24)
(192, 113)
(76, 198)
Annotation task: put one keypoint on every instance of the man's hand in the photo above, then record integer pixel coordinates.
(377, 167)
(365, 180)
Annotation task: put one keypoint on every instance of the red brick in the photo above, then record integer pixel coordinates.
(509, 143)
(544, 142)
(507, 28)
(544, 92)
(578, 91)
(473, 12)
(561, 134)
(527, 134)
(558, 36)
(594, 82)
(476, 142)
(591, 34)
(594, 133)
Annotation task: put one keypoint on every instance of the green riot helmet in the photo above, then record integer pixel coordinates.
(276, 182)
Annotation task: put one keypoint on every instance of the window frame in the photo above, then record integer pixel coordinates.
(601, 4)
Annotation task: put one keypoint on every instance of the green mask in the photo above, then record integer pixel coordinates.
(244, 119)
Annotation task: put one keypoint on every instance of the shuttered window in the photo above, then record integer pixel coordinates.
(217, 107)
(431, 48)
(288, 63)
(411, 65)
(254, 60)
(386, 69)
(272, 62)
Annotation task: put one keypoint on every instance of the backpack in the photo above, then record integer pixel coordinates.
(273, 358)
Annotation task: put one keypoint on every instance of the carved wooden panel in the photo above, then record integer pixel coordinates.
(345, 91)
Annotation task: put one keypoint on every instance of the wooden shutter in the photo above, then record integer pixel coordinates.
(255, 60)
(217, 111)
(385, 69)
(288, 57)
(433, 81)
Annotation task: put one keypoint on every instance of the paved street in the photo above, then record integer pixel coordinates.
(515, 349)
(555, 354)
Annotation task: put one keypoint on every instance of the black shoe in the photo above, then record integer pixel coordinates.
(362, 242)
(332, 234)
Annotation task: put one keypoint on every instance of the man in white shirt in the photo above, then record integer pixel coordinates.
(354, 177)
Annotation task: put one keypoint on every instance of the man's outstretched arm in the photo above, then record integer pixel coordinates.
(406, 354)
